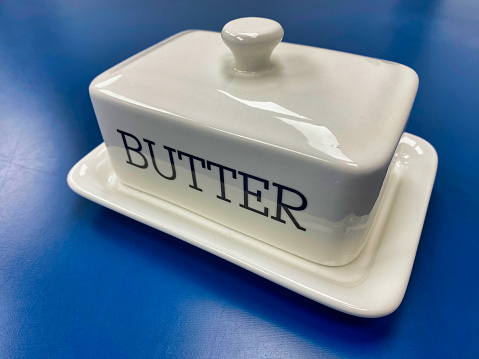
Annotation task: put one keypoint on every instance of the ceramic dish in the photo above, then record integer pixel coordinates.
(372, 285)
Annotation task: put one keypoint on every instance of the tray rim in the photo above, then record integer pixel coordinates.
(379, 294)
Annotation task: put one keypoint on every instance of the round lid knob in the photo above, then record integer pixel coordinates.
(252, 40)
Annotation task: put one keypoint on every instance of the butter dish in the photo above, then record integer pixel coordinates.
(294, 149)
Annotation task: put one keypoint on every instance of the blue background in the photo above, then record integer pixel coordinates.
(79, 280)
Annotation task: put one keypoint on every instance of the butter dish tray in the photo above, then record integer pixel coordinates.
(372, 285)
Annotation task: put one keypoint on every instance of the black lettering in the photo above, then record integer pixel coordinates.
(287, 207)
(137, 150)
(257, 194)
(172, 162)
(192, 166)
(222, 178)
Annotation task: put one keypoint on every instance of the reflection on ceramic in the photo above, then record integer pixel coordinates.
(373, 285)
(290, 147)
(318, 137)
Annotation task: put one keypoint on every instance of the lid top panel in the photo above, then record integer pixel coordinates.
(337, 107)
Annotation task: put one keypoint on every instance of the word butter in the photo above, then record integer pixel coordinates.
(145, 156)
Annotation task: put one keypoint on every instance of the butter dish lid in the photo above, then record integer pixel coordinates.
(345, 109)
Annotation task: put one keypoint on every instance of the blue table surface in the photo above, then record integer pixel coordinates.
(79, 280)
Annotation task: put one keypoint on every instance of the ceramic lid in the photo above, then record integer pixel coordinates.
(340, 108)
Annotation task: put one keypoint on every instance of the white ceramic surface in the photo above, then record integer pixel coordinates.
(293, 152)
(373, 285)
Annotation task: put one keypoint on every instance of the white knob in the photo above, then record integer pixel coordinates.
(252, 40)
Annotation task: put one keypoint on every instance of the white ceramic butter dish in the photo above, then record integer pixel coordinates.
(291, 150)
